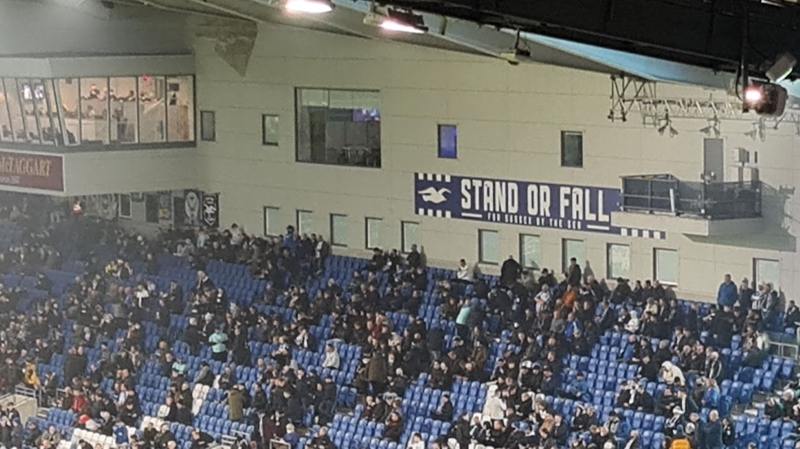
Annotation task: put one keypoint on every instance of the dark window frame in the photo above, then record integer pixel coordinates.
(441, 149)
(565, 161)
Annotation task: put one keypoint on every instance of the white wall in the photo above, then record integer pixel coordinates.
(509, 121)
(81, 28)
(99, 172)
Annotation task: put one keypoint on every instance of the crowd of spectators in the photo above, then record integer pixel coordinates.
(546, 318)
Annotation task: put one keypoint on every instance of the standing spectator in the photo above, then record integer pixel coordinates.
(727, 295)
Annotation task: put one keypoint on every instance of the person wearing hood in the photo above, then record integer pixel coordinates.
(495, 407)
(672, 375)
(632, 325)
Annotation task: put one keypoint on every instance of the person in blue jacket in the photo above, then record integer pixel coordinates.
(121, 435)
(728, 294)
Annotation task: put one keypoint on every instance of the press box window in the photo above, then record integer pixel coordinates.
(208, 126)
(269, 129)
(448, 141)
(338, 230)
(572, 249)
(619, 261)
(489, 247)
(529, 251)
(571, 149)
(410, 235)
(665, 266)
(305, 222)
(373, 233)
(271, 225)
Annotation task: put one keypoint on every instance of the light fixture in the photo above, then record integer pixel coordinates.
(309, 6)
(396, 20)
(765, 99)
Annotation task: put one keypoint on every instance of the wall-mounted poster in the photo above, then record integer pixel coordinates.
(191, 207)
(211, 209)
(165, 205)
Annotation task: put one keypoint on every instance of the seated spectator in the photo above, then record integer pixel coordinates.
(445, 411)
(332, 360)
(416, 442)
(394, 427)
(465, 272)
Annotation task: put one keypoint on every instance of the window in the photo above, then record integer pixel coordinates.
(572, 248)
(571, 149)
(51, 123)
(208, 126)
(15, 110)
(151, 208)
(124, 118)
(373, 233)
(340, 127)
(269, 129)
(5, 120)
(338, 230)
(665, 266)
(68, 94)
(180, 108)
(410, 235)
(448, 141)
(619, 261)
(766, 271)
(152, 109)
(125, 206)
(529, 251)
(94, 110)
(305, 222)
(28, 90)
(271, 225)
(488, 247)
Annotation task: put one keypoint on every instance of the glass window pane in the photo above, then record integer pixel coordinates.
(666, 266)
(489, 247)
(572, 248)
(15, 109)
(5, 121)
(767, 272)
(152, 109)
(305, 222)
(410, 235)
(94, 110)
(619, 261)
(68, 94)
(271, 224)
(338, 127)
(208, 126)
(571, 149)
(180, 109)
(123, 110)
(28, 109)
(374, 226)
(338, 230)
(529, 251)
(448, 141)
(269, 129)
(50, 120)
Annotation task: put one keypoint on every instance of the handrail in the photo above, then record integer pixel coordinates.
(664, 193)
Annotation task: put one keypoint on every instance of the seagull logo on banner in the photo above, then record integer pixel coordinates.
(435, 196)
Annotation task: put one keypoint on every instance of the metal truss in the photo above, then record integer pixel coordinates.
(630, 94)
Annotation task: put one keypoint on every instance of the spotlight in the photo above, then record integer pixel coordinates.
(309, 6)
(397, 20)
(765, 99)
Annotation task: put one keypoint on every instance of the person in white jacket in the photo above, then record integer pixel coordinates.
(332, 360)
(495, 407)
(671, 374)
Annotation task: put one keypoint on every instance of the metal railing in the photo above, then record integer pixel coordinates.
(667, 194)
